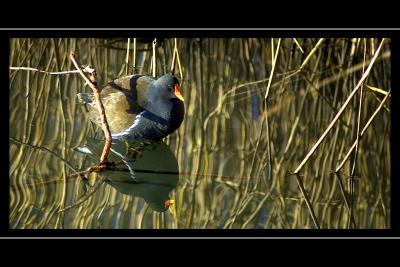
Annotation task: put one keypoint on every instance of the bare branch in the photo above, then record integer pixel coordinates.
(45, 72)
(96, 92)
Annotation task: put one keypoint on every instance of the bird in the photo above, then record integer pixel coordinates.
(139, 107)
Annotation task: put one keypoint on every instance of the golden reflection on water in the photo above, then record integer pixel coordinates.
(227, 177)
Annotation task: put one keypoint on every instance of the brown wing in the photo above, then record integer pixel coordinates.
(134, 86)
(122, 101)
(142, 84)
(116, 106)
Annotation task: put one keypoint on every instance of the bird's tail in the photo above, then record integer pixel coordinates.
(85, 98)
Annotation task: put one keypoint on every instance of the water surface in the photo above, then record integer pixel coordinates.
(231, 163)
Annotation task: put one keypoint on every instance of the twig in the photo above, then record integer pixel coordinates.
(363, 131)
(329, 104)
(173, 59)
(100, 107)
(313, 149)
(308, 202)
(307, 59)
(45, 149)
(154, 57)
(311, 53)
(127, 56)
(298, 45)
(376, 89)
(273, 68)
(274, 58)
(351, 180)
(88, 194)
(46, 72)
(134, 55)
(179, 62)
(175, 56)
(346, 200)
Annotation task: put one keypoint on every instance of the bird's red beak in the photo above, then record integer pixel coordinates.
(178, 92)
(169, 202)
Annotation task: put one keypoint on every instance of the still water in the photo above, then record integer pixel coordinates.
(231, 162)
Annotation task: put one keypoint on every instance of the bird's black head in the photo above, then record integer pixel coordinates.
(168, 86)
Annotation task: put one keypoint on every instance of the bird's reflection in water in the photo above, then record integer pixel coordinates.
(148, 171)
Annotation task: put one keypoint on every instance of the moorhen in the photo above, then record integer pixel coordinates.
(139, 108)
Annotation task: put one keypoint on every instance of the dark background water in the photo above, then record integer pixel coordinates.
(230, 163)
